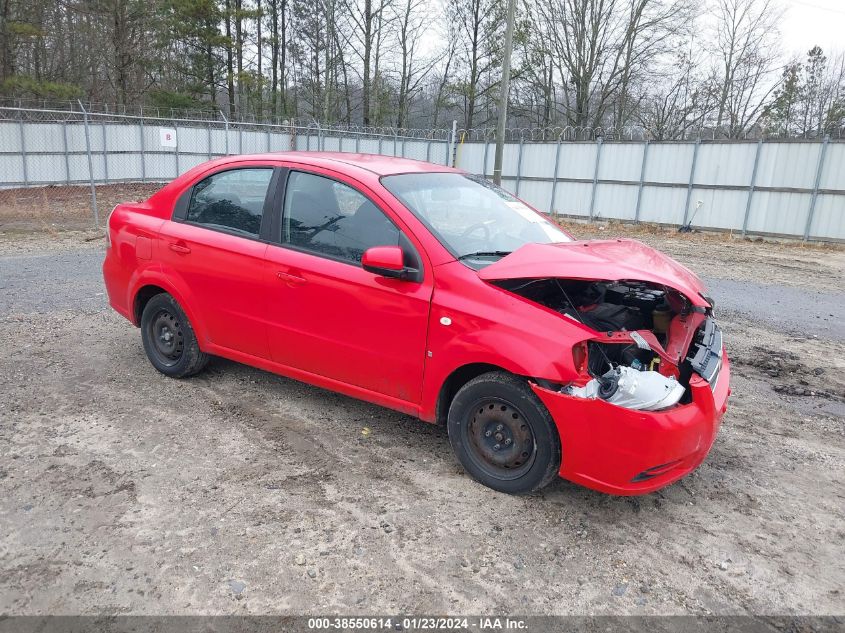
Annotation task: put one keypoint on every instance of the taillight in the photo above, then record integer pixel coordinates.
(579, 357)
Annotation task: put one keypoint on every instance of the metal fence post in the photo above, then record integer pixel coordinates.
(599, 142)
(751, 187)
(143, 153)
(90, 165)
(357, 143)
(642, 181)
(403, 147)
(395, 140)
(554, 178)
(453, 145)
(268, 141)
(428, 151)
(815, 197)
(67, 152)
(225, 130)
(176, 138)
(105, 154)
(486, 151)
(240, 139)
(23, 148)
(691, 179)
(209, 140)
(519, 166)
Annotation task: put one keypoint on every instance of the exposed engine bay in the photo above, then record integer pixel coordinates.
(638, 360)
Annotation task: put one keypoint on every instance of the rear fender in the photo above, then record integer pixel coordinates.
(155, 275)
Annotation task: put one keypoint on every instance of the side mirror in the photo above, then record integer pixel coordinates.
(387, 261)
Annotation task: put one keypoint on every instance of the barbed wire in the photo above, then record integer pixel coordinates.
(47, 111)
(639, 133)
(63, 112)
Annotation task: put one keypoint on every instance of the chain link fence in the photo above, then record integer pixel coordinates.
(67, 168)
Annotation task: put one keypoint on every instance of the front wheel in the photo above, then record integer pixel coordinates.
(169, 339)
(503, 435)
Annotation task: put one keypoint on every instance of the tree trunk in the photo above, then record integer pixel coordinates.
(260, 81)
(274, 56)
(283, 58)
(230, 71)
(368, 45)
(239, 55)
(6, 62)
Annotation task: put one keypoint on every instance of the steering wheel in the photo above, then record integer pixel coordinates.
(474, 227)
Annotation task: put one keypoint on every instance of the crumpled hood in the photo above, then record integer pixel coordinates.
(600, 260)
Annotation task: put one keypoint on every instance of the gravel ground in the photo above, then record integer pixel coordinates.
(238, 491)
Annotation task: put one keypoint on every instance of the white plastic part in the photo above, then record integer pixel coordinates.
(637, 390)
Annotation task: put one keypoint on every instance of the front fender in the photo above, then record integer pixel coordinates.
(496, 329)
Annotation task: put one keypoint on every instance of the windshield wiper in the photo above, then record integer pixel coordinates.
(485, 254)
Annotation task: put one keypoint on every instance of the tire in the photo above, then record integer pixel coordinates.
(490, 419)
(169, 339)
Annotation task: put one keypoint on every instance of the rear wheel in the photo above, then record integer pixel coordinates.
(169, 339)
(503, 435)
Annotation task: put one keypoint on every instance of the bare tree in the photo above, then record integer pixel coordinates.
(600, 47)
(411, 24)
(366, 17)
(277, 10)
(443, 80)
(678, 99)
(480, 25)
(745, 44)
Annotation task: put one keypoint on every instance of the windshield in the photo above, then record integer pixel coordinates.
(476, 220)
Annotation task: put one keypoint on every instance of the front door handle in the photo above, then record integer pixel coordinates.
(293, 280)
(180, 248)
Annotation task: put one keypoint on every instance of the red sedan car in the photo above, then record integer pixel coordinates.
(433, 292)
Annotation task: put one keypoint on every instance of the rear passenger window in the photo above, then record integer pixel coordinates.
(231, 200)
(330, 218)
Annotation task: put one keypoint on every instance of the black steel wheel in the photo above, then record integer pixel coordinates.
(169, 339)
(500, 440)
(503, 435)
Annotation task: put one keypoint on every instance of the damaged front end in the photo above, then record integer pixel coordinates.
(647, 339)
(648, 381)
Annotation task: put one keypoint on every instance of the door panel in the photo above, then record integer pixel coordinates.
(326, 314)
(214, 246)
(340, 321)
(225, 276)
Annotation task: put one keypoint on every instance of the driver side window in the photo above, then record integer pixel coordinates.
(330, 218)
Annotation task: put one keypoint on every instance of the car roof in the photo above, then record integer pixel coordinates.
(375, 163)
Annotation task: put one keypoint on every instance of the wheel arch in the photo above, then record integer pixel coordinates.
(453, 383)
(152, 283)
(141, 298)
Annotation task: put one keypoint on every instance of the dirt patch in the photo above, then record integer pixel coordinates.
(727, 256)
(791, 376)
(61, 207)
(238, 491)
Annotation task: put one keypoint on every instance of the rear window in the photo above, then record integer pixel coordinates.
(231, 200)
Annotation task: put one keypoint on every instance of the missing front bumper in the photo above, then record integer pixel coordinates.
(606, 447)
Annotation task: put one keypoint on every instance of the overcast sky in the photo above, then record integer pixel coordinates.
(810, 22)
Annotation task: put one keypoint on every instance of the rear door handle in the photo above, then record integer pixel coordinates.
(180, 248)
(293, 280)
